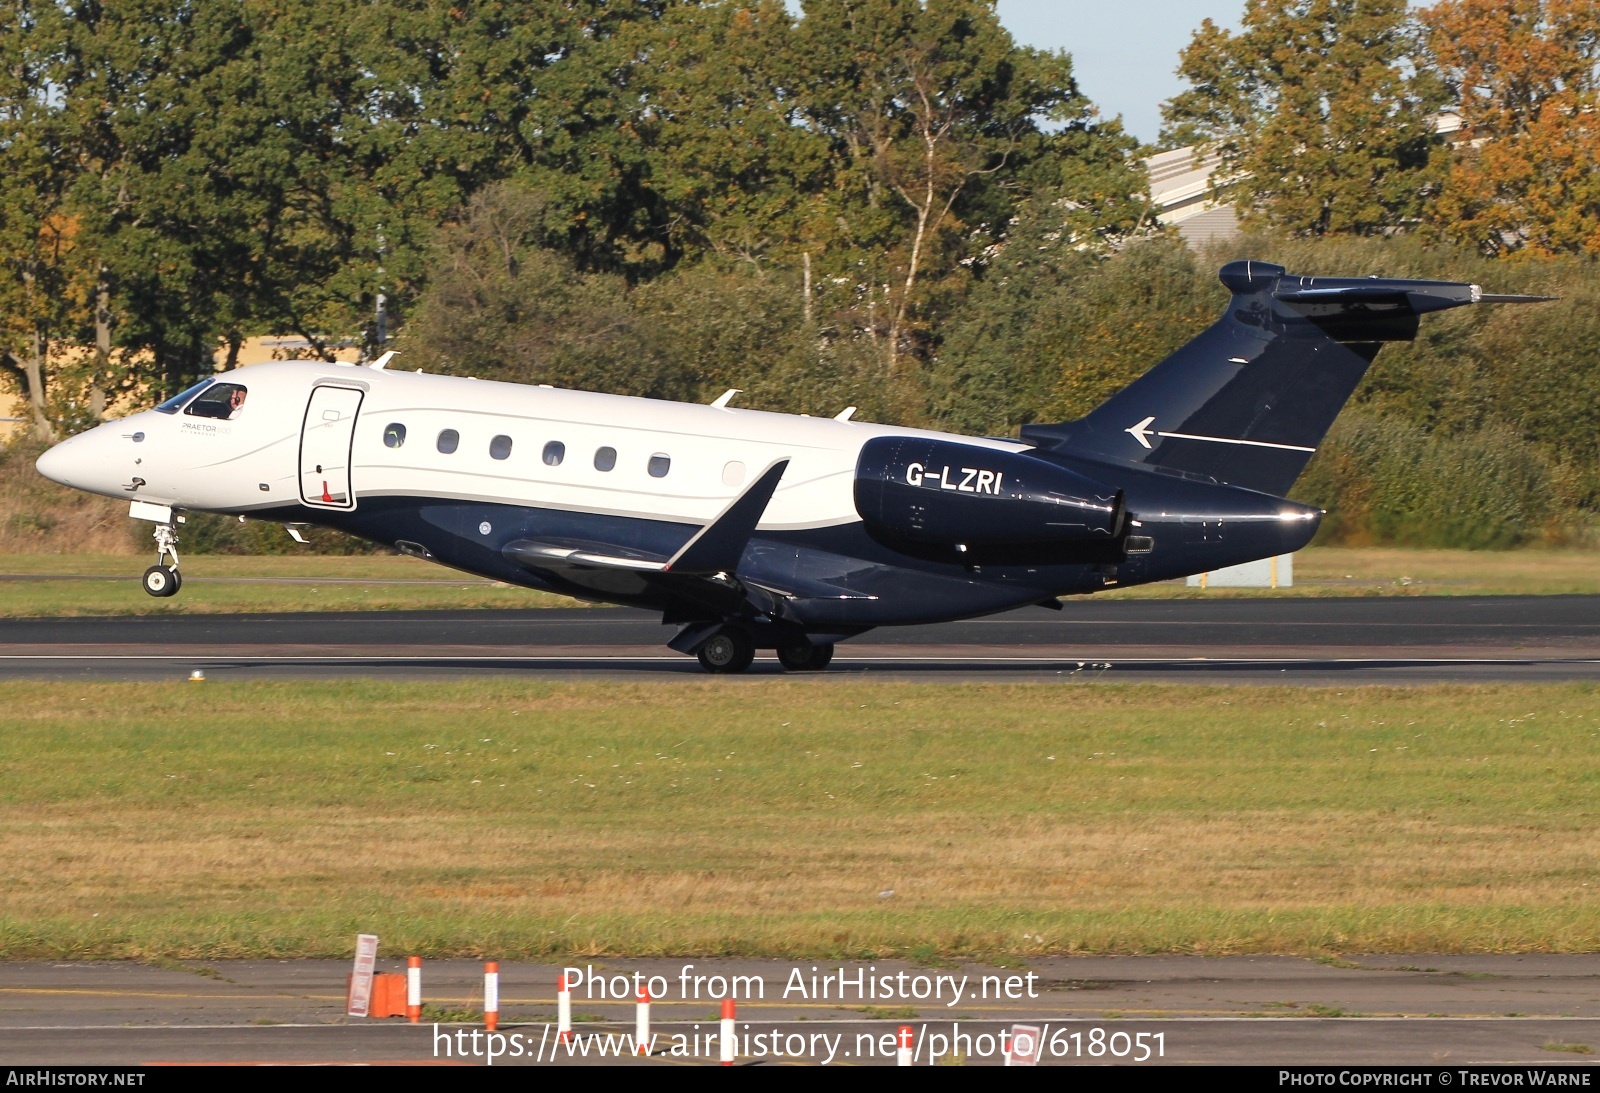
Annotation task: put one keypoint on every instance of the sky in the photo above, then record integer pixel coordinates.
(1124, 52)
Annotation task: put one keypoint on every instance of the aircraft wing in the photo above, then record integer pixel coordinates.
(701, 577)
(558, 555)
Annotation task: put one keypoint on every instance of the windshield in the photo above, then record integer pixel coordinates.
(220, 400)
(175, 403)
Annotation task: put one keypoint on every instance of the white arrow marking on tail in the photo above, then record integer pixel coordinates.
(1142, 432)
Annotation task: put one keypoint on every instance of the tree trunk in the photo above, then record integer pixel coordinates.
(33, 369)
(805, 299)
(102, 348)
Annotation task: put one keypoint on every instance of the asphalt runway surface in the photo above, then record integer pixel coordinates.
(1541, 1011)
(1299, 640)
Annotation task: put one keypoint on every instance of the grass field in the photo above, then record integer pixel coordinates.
(91, 584)
(777, 817)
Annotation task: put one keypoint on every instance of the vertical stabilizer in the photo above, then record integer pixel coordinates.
(1249, 400)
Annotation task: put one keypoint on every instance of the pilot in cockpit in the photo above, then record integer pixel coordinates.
(221, 401)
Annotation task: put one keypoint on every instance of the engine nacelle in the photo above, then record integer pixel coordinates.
(921, 492)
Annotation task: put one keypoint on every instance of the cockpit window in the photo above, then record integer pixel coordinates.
(175, 403)
(220, 400)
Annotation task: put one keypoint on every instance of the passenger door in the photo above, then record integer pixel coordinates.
(325, 442)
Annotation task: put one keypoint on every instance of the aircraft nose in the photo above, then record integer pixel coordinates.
(79, 462)
(64, 463)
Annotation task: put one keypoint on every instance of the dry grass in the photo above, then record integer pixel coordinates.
(101, 584)
(1393, 571)
(547, 819)
(38, 516)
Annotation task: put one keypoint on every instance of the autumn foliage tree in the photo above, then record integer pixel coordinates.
(1322, 123)
(1523, 76)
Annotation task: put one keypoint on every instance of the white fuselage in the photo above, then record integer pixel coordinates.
(253, 461)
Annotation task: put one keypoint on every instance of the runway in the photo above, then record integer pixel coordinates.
(1303, 640)
(1535, 1010)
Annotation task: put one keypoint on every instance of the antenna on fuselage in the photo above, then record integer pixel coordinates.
(726, 397)
(383, 361)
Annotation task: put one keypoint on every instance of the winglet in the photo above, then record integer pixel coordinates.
(717, 547)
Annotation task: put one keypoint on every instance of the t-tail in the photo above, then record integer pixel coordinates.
(1249, 400)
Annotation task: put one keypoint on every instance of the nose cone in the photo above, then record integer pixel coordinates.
(81, 462)
(64, 463)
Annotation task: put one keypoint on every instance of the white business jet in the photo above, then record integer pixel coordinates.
(753, 530)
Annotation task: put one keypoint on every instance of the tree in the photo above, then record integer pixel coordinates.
(39, 235)
(1523, 76)
(933, 113)
(503, 303)
(1322, 126)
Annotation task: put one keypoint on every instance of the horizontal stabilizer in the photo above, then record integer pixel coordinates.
(1500, 298)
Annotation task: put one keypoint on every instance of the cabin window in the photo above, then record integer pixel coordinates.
(449, 441)
(733, 474)
(500, 447)
(394, 435)
(220, 401)
(605, 459)
(660, 465)
(554, 453)
(175, 403)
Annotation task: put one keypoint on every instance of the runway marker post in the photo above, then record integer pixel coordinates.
(414, 989)
(727, 1032)
(903, 1052)
(563, 1011)
(641, 1023)
(491, 995)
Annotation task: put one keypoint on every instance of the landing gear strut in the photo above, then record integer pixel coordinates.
(160, 579)
(727, 652)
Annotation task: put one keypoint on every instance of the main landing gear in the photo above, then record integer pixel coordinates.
(732, 650)
(160, 579)
(727, 652)
(801, 655)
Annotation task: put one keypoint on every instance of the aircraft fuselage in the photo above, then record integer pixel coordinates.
(458, 469)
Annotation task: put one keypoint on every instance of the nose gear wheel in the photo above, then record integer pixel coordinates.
(160, 580)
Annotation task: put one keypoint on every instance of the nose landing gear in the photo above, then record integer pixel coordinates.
(160, 579)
